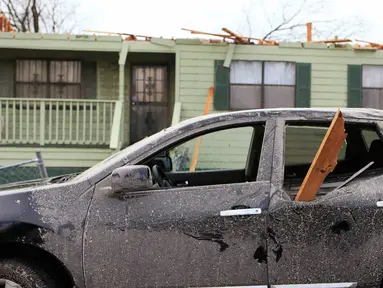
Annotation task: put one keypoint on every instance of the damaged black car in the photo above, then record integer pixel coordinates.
(214, 201)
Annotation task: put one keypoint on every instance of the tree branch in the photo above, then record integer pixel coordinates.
(26, 15)
(287, 19)
(14, 15)
(35, 17)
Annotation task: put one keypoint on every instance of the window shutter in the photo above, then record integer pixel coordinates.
(221, 86)
(303, 85)
(354, 86)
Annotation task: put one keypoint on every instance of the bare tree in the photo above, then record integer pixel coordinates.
(47, 16)
(286, 20)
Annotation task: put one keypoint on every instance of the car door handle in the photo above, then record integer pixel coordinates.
(240, 212)
(181, 183)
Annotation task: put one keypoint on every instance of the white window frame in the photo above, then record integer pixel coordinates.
(372, 83)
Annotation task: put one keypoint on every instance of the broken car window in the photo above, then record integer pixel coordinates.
(302, 142)
(229, 155)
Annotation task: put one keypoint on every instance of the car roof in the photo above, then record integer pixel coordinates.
(285, 113)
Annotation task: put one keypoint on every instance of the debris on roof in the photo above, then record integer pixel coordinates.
(370, 45)
(238, 39)
(128, 36)
(235, 37)
(329, 41)
(228, 37)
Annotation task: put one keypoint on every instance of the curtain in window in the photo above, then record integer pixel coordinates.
(279, 73)
(48, 79)
(372, 93)
(372, 76)
(246, 72)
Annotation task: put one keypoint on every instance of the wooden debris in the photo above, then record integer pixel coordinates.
(237, 37)
(199, 139)
(370, 44)
(129, 36)
(325, 159)
(332, 41)
(309, 27)
(208, 34)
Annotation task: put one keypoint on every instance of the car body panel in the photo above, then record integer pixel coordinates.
(60, 212)
(52, 218)
(176, 237)
(179, 235)
(335, 238)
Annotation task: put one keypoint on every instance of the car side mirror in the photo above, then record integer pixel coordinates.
(131, 178)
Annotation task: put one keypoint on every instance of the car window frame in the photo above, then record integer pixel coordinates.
(266, 149)
(280, 134)
(245, 163)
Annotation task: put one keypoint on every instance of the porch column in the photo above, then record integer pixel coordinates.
(121, 90)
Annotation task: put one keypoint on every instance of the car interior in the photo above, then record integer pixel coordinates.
(363, 145)
(164, 176)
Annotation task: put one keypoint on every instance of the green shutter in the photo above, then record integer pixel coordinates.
(303, 85)
(354, 86)
(221, 86)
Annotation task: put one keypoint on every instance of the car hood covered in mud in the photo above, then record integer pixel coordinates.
(36, 182)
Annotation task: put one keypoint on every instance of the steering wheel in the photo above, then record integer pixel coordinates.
(160, 177)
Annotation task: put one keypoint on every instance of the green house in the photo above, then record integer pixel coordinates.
(80, 98)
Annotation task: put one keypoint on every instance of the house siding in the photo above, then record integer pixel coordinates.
(328, 85)
(7, 76)
(108, 80)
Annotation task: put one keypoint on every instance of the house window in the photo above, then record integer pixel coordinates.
(372, 93)
(255, 84)
(48, 79)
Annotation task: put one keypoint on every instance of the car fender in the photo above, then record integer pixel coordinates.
(50, 218)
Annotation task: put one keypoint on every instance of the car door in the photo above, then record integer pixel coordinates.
(334, 240)
(200, 236)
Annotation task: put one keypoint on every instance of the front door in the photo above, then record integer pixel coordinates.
(149, 101)
(209, 235)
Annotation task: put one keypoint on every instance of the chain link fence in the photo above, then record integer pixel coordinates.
(24, 171)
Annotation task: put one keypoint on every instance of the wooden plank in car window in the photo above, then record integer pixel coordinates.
(325, 159)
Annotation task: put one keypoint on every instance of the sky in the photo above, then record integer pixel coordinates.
(167, 17)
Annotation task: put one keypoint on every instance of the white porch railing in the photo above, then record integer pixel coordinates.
(58, 121)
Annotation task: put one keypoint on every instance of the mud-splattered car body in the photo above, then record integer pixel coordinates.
(180, 237)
